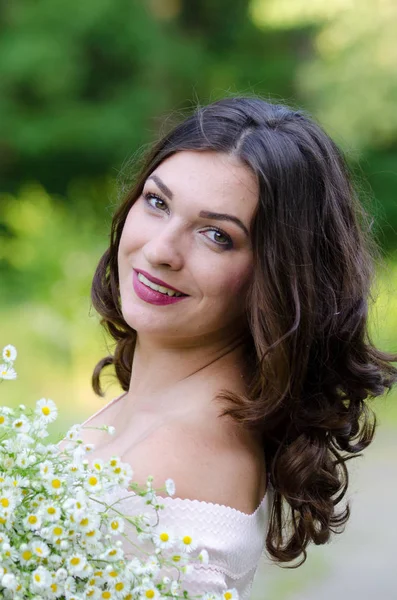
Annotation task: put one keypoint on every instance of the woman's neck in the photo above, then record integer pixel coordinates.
(163, 379)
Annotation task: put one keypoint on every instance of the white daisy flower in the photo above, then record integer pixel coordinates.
(4, 420)
(17, 481)
(32, 522)
(56, 589)
(26, 556)
(92, 483)
(98, 465)
(150, 591)
(76, 563)
(7, 500)
(40, 548)
(54, 485)
(231, 594)
(113, 554)
(163, 538)
(50, 512)
(56, 533)
(92, 592)
(178, 559)
(187, 544)
(21, 424)
(116, 526)
(7, 372)
(10, 553)
(46, 469)
(46, 410)
(170, 487)
(9, 353)
(91, 536)
(120, 587)
(41, 579)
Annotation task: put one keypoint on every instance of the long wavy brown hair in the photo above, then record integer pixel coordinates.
(312, 365)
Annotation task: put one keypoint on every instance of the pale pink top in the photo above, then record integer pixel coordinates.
(235, 541)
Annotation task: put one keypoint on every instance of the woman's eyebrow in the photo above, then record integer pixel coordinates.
(164, 188)
(206, 214)
(223, 217)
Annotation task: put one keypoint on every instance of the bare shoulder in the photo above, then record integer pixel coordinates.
(201, 466)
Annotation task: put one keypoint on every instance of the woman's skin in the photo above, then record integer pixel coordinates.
(188, 351)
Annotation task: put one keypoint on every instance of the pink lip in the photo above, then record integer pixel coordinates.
(152, 296)
(158, 281)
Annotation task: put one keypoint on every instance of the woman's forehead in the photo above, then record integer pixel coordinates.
(211, 175)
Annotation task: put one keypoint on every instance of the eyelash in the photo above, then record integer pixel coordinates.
(228, 245)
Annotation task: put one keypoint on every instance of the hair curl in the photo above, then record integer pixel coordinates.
(311, 361)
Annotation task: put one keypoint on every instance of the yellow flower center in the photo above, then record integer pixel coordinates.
(45, 410)
(56, 483)
(93, 480)
(51, 510)
(57, 530)
(164, 537)
(27, 555)
(5, 502)
(149, 594)
(32, 519)
(187, 539)
(75, 561)
(114, 525)
(2, 419)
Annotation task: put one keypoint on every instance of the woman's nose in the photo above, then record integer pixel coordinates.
(165, 248)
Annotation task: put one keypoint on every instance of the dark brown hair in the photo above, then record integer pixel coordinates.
(311, 361)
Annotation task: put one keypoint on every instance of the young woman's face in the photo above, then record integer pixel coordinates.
(169, 236)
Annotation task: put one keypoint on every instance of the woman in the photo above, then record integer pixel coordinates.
(236, 287)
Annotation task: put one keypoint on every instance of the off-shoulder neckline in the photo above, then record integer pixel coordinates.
(188, 501)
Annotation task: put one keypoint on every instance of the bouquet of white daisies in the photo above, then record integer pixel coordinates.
(60, 536)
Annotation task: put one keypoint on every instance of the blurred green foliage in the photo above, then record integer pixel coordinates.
(85, 85)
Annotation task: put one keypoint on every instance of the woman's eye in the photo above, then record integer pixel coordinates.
(219, 234)
(149, 196)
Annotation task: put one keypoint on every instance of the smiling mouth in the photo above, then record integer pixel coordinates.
(158, 288)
